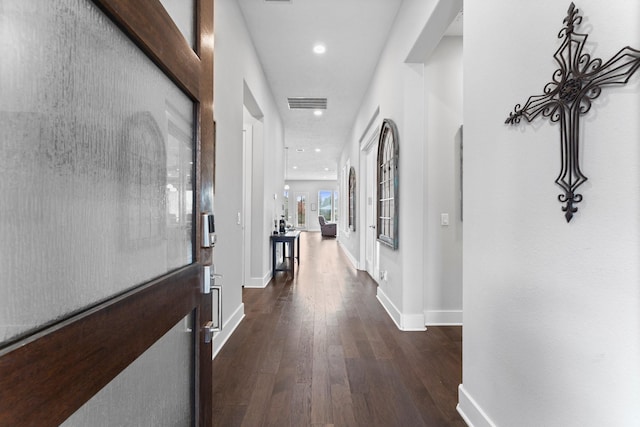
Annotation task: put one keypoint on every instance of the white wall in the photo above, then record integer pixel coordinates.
(551, 310)
(443, 244)
(398, 89)
(236, 65)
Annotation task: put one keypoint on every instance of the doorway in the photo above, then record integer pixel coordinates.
(371, 243)
(245, 217)
(301, 219)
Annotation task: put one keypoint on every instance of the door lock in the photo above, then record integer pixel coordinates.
(208, 332)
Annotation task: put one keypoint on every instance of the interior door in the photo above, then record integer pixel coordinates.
(108, 135)
(371, 254)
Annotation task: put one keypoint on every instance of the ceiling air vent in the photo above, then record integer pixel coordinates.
(307, 103)
(278, 1)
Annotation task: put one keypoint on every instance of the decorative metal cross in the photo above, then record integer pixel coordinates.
(577, 82)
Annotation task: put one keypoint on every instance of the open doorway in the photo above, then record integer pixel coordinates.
(443, 159)
(250, 218)
(245, 215)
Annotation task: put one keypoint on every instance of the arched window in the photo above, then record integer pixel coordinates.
(352, 199)
(387, 224)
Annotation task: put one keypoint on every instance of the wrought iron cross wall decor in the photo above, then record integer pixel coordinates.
(577, 82)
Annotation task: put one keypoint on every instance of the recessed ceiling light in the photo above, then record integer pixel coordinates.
(319, 49)
(299, 150)
(326, 169)
(317, 113)
(317, 150)
(295, 167)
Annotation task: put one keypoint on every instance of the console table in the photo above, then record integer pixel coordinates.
(289, 256)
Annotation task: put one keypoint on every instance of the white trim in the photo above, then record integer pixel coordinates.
(373, 138)
(228, 328)
(470, 412)
(259, 282)
(349, 256)
(443, 317)
(404, 322)
(373, 118)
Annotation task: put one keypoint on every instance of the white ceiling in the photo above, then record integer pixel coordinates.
(354, 33)
(284, 33)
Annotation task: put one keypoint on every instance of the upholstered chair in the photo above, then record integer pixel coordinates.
(328, 229)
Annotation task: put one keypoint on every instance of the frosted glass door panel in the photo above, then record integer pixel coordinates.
(154, 391)
(96, 164)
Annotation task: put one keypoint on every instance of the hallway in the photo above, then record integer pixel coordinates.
(321, 350)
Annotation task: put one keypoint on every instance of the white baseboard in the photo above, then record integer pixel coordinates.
(404, 322)
(350, 257)
(413, 322)
(258, 282)
(443, 317)
(220, 338)
(470, 412)
(391, 309)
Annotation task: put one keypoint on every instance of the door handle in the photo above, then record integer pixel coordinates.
(210, 328)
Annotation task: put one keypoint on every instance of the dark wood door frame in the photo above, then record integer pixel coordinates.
(46, 377)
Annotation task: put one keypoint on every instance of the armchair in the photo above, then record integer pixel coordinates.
(327, 228)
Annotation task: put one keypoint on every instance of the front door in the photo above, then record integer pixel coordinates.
(106, 152)
(301, 210)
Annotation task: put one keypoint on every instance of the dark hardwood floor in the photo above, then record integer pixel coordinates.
(320, 350)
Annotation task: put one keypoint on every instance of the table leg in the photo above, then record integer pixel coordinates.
(273, 258)
(293, 260)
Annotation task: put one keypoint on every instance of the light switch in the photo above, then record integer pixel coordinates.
(444, 219)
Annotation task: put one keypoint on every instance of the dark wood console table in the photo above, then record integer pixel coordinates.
(289, 256)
